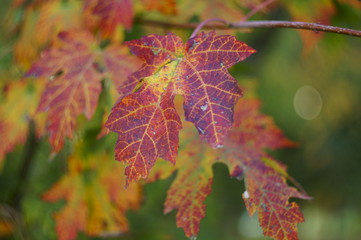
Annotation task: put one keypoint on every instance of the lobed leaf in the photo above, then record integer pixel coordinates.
(73, 86)
(266, 189)
(198, 71)
(244, 153)
(73, 67)
(268, 193)
(192, 184)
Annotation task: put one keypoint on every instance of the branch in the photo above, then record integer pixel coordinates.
(257, 24)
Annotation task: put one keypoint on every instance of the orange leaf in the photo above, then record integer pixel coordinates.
(94, 191)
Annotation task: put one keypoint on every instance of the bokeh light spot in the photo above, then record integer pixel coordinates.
(307, 102)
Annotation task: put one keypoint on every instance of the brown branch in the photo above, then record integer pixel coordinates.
(258, 24)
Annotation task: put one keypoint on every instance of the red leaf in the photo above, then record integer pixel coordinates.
(74, 80)
(266, 189)
(244, 153)
(193, 182)
(149, 126)
(77, 88)
(210, 92)
(112, 14)
(196, 70)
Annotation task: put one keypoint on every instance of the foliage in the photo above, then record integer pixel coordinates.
(74, 62)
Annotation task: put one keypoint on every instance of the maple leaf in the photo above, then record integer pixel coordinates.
(146, 120)
(77, 88)
(94, 191)
(266, 189)
(192, 184)
(244, 154)
(74, 80)
(111, 16)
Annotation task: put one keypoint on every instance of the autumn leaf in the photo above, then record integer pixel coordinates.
(74, 80)
(266, 189)
(146, 120)
(193, 182)
(244, 153)
(111, 16)
(75, 90)
(94, 191)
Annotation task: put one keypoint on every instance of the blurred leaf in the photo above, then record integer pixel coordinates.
(110, 16)
(74, 80)
(96, 201)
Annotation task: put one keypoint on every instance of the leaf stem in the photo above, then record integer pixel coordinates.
(254, 24)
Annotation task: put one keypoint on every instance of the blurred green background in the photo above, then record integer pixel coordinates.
(314, 96)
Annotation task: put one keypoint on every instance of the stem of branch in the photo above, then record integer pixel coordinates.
(256, 24)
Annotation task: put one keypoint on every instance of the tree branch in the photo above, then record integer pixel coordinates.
(257, 24)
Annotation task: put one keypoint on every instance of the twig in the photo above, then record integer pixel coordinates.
(258, 24)
(256, 10)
